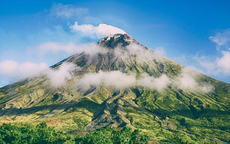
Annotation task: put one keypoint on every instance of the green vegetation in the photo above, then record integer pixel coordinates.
(172, 115)
(28, 134)
(111, 136)
(85, 103)
(195, 115)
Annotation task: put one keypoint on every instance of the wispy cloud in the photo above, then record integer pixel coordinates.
(142, 53)
(187, 81)
(70, 48)
(54, 47)
(213, 65)
(221, 39)
(160, 51)
(92, 31)
(12, 70)
(218, 65)
(66, 11)
(207, 64)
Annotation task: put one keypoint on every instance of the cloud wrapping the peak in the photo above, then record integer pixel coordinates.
(99, 31)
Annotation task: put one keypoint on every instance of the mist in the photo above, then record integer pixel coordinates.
(187, 80)
(120, 80)
(59, 77)
(154, 83)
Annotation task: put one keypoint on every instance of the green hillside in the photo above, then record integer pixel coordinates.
(164, 100)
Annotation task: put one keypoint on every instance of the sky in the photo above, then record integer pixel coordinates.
(37, 34)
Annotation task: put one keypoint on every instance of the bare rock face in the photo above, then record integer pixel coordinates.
(113, 41)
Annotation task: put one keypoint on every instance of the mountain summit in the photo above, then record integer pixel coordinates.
(112, 41)
(118, 82)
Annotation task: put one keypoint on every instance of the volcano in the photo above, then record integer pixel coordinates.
(118, 82)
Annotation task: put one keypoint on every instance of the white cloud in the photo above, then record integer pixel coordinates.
(12, 70)
(119, 80)
(154, 83)
(8, 67)
(161, 82)
(207, 64)
(221, 39)
(60, 76)
(224, 62)
(113, 78)
(99, 31)
(213, 65)
(207, 88)
(186, 80)
(66, 11)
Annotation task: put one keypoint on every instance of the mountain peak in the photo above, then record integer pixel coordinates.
(115, 40)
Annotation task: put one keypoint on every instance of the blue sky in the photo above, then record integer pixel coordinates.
(193, 33)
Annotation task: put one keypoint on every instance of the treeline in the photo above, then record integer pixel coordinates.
(19, 133)
(111, 136)
(30, 134)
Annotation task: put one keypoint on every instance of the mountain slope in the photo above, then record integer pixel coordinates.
(118, 83)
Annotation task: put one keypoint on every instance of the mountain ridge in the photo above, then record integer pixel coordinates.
(121, 83)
